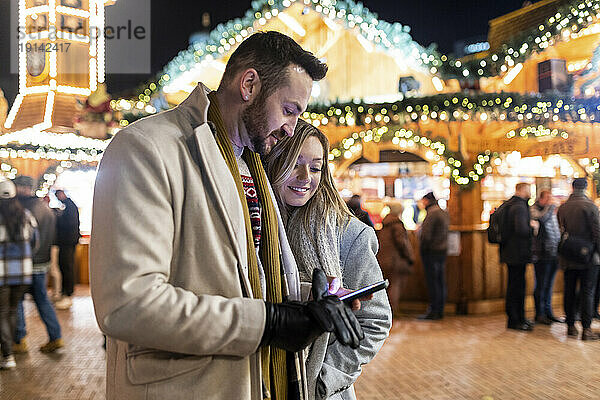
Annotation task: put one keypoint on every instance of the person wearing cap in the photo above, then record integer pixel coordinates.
(46, 221)
(579, 217)
(433, 244)
(18, 241)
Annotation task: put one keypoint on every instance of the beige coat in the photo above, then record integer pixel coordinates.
(168, 264)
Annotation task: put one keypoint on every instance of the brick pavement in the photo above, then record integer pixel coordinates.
(457, 358)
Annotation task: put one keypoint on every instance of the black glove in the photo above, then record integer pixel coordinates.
(293, 325)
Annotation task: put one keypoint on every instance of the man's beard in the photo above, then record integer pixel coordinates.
(254, 118)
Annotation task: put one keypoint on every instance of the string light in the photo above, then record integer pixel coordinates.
(435, 151)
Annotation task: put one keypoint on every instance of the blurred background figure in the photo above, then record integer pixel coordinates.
(18, 238)
(578, 220)
(355, 205)
(433, 239)
(545, 256)
(46, 221)
(67, 237)
(395, 256)
(516, 252)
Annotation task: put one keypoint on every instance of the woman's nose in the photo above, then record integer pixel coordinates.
(303, 173)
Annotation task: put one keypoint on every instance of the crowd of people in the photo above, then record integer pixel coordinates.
(29, 229)
(551, 237)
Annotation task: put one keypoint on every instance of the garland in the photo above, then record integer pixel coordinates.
(436, 150)
(532, 109)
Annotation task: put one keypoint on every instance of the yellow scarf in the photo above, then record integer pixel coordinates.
(273, 360)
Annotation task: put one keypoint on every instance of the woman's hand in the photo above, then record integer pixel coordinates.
(336, 289)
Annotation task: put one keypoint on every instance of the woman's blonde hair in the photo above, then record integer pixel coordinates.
(280, 164)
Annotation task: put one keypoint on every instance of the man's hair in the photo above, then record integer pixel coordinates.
(270, 53)
(544, 193)
(522, 185)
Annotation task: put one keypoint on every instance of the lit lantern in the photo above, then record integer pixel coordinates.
(61, 59)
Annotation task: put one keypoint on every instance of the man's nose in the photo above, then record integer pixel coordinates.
(290, 128)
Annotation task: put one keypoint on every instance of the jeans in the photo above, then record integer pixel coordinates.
(545, 272)
(587, 283)
(10, 296)
(44, 307)
(515, 294)
(435, 275)
(66, 262)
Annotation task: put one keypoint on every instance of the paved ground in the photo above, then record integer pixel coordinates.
(458, 358)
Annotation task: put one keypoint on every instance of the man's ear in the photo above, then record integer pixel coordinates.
(249, 84)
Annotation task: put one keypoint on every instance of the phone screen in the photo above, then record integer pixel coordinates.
(365, 291)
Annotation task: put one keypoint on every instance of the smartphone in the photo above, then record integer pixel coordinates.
(365, 291)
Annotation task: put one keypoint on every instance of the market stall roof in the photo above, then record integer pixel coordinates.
(506, 27)
(352, 40)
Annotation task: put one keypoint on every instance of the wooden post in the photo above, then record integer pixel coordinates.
(466, 272)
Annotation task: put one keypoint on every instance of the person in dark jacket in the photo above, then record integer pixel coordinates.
(396, 256)
(46, 221)
(67, 237)
(579, 217)
(516, 252)
(433, 239)
(355, 205)
(545, 256)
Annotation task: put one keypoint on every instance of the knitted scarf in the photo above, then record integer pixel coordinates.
(274, 368)
(317, 248)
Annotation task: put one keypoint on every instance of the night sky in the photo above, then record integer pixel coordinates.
(439, 21)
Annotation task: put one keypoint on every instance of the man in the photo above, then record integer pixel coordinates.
(433, 236)
(191, 289)
(67, 237)
(578, 218)
(46, 221)
(545, 256)
(516, 252)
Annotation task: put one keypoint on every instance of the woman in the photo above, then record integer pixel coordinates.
(324, 234)
(396, 256)
(18, 237)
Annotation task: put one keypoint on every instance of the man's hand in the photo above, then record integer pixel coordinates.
(294, 325)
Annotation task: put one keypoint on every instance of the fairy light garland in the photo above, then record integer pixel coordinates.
(536, 132)
(435, 151)
(459, 107)
(484, 107)
(40, 145)
(571, 21)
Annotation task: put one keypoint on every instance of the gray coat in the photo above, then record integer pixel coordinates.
(341, 365)
(578, 216)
